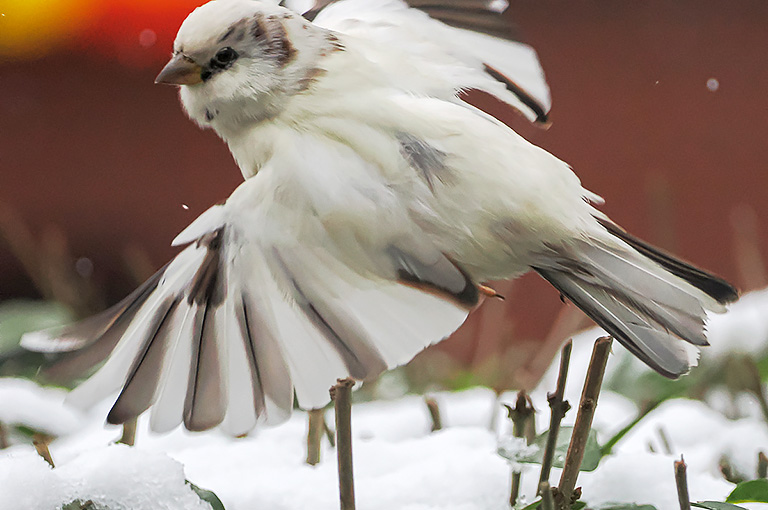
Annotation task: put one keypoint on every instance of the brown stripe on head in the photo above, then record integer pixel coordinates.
(272, 32)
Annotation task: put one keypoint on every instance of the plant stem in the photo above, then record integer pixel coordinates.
(315, 430)
(41, 441)
(330, 435)
(682, 485)
(341, 396)
(521, 416)
(434, 413)
(583, 422)
(3, 437)
(547, 500)
(558, 407)
(762, 465)
(665, 443)
(129, 433)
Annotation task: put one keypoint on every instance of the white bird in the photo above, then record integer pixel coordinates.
(376, 202)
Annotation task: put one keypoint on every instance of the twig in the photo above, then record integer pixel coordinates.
(558, 407)
(4, 443)
(583, 422)
(682, 485)
(41, 442)
(728, 472)
(521, 416)
(129, 433)
(547, 500)
(434, 413)
(315, 429)
(762, 465)
(330, 435)
(665, 443)
(341, 396)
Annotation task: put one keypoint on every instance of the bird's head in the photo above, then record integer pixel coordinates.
(239, 61)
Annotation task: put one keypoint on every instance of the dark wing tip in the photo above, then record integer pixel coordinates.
(712, 285)
(542, 118)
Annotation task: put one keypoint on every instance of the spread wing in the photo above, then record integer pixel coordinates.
(311, 271)
(456, 45)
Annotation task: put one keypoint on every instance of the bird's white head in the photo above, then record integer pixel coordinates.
(239, 61)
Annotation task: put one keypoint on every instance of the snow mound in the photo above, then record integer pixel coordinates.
(116, 477)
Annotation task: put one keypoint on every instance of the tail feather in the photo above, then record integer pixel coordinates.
(646, 299)
(646, 339)
(714, 286)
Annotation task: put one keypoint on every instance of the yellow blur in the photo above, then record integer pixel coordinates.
(30, 28)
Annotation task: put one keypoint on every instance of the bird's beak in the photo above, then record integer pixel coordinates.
(180, 70)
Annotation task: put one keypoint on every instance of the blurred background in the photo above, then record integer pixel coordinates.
(659, 106)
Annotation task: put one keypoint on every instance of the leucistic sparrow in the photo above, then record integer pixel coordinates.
(375, 203)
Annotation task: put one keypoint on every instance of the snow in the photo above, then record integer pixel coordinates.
(399, 463)
(23, 402)
(115, 476)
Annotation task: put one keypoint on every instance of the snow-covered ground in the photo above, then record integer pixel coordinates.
(399, 464)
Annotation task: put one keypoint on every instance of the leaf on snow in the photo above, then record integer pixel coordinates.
(207, 496)
(628, 506)
(753, 491)
(592, 452)
(717, 505)
(578, 505)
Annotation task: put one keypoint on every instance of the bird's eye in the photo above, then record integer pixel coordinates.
(224, 57)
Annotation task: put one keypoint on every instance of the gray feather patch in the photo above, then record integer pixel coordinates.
(442, 276)
(423, 157)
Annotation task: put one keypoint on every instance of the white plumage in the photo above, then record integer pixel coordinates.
(375, 202)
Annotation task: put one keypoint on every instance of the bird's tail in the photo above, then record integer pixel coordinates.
(646, 299)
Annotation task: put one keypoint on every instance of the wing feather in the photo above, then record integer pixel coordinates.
(267, 303)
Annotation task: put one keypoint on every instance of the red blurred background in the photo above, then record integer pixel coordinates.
(659, 106)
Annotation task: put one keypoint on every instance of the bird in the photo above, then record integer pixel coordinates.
(376, 204)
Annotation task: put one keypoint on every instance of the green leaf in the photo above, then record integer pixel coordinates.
(83, 505)
(19, 316)
(592, 451)
(578, 505)
(753, 491)
(716, 505)
(628, 506)
(207, 496)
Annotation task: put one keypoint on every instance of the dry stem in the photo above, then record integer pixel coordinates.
(583, 422)
(129, 433)
(547, 500)
(521, 416)
(41, 442)
(558, 407)
(434, 413)
(315, 430)
(4, 443)
(682, 485)
(341, 396)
